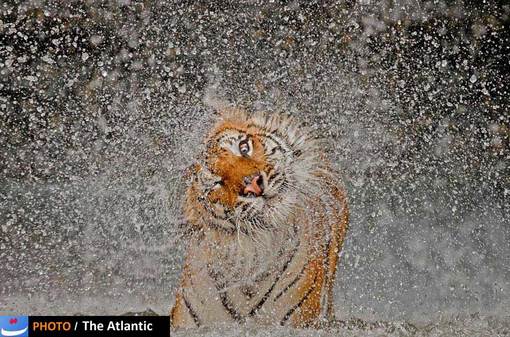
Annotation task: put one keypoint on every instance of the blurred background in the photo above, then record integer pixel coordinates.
(103, 104)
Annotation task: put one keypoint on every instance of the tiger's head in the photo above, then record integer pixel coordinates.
(255, 171)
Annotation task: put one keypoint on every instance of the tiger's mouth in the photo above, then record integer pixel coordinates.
(254, 185)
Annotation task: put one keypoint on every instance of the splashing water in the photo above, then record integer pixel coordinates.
(103, 107)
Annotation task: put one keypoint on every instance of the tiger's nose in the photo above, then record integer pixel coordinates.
(254, 185)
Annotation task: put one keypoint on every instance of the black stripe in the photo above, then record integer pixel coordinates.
(217, 139)
(272, 174)
(225, 301)
(226, 218)
(220, 228)
(278, 143)
(229, 138)
(281, 141)
(273, 151)
(192, 312)
(283, 186)
(244, 206)
(266, 295)
(278, 180)
(294, 281)
(300, 303)
(214, 276)
(326, 256)
(227, 304)
(261, 277)
(248, 212)
(284, 138)
(264, 298)
(228, 230)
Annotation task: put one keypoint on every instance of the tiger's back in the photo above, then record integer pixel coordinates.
(268, 224)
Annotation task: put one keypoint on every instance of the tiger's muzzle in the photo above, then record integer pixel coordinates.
(254, 185)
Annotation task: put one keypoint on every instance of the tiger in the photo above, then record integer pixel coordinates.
(267, 217)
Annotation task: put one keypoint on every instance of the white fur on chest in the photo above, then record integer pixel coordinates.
(242, 261)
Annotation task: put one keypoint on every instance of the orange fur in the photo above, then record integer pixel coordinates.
(297, 293)
(233, 169)
(312, 306)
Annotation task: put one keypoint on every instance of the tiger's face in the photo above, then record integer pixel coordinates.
(254, 172)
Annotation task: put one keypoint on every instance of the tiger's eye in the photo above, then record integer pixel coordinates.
(244, 147)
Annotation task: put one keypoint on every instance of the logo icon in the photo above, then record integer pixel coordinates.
(11, 326)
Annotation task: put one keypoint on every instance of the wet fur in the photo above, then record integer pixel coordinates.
(270, 259)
